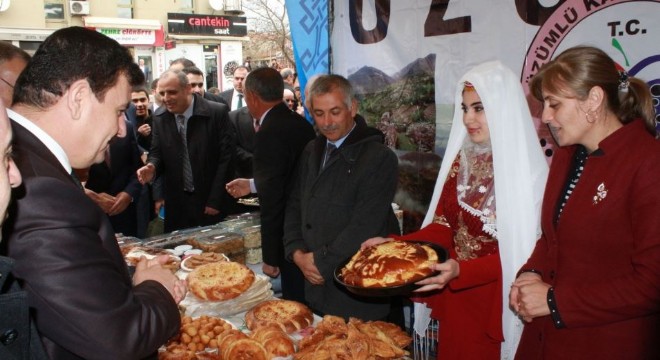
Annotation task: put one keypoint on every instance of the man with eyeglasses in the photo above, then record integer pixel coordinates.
(234, 97)
(12, 62)
(196, 80)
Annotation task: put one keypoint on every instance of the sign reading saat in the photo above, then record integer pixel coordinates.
(199, 24)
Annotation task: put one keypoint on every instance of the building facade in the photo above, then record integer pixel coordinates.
(208, 32)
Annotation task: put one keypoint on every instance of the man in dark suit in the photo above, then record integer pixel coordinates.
(234, 97)
(343, 196)
(113, 183)
(282, 134)
(196, 81)
(245, 141)
(194, 171)
(15, 319)
(64, 114)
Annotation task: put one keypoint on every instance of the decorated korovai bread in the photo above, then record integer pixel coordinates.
(391, 263)
(220, 281)
(290, 316)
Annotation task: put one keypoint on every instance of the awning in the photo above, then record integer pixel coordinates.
(120, 23)
(208, 37)
(22, 34)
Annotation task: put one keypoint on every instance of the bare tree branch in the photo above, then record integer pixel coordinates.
(270, 22)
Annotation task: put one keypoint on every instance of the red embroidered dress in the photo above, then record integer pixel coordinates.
(469, 308)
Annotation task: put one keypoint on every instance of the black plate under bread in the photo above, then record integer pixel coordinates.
(404, 289)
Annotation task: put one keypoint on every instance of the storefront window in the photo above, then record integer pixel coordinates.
(54, 9)
(125, 9)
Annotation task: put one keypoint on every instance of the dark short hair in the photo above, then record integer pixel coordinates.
(192, 70)
(141, 88)
(241, 67)
(266, 83)
(73, 54)
(9, 52)
(154, 84)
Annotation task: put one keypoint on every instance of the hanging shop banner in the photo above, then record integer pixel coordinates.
(404, 59)
(200, 24)
(309, 32)
(130, 36)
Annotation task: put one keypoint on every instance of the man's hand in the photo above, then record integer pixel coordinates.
(272, 271)
(144, 130)
(158, 204)
(103, 200)
(374, 241)
(153, 270)
(211, 211)
(122, 200)
(146, 173)
(238, 187)
(305, 261)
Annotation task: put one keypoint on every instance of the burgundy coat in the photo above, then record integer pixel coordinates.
(603, 256)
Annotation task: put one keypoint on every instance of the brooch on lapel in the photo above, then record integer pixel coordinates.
(601, 193)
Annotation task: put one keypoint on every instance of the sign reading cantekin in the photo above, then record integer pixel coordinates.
(199, 24)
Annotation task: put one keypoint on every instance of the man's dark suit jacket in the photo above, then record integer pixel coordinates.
(227, 95)
(279, 142)
(216, 98)
(211, 147)
(120, 176)
(245, 135)
(67, 257)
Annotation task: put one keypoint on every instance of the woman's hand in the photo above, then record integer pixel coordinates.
(449, 270)
(374, 241)
(529, 296)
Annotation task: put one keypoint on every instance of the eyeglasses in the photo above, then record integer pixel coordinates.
(297, 88)
(199, 85)
(7, 82)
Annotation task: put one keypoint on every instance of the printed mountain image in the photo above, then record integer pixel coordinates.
(402, 106)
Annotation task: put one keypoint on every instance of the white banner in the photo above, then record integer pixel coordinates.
(404, 59)
(375, 42)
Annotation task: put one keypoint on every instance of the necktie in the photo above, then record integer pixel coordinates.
(188, 184)
(256, 125)
(240, 101)
(329, 150)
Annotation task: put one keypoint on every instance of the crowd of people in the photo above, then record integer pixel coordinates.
(559, 262)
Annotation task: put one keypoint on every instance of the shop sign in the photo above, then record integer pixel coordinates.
(199, 24)
(130, 36)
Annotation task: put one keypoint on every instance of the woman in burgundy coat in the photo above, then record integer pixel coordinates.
(591, 288)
